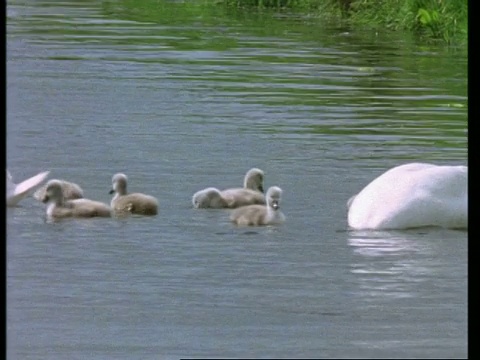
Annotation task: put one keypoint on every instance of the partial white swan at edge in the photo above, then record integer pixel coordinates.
(410, 196)
(17, 192)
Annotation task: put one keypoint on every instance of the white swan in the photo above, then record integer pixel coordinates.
(412, 195)
(58, 207)
(134, 203)
(70, 191)
(256, 215)
(17, 192)
(251, 193)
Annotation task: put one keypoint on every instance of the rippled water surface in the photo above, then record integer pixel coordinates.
(181, 97)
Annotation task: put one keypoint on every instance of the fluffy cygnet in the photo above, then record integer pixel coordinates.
(251, 193)
(70, 191)
(134, 203)
(256, 215)
(58, 207)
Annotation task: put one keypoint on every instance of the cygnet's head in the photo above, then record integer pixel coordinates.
(254, 180)
(274, 195)
(209, 197)
(53, 192)
(119, 184)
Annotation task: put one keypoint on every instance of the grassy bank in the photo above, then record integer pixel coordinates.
(445, 20)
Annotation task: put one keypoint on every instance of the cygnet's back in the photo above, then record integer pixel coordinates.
(235, 198)
(70, 191)
(209, 198)
(251, 193)
(256, 215)
(134, 203)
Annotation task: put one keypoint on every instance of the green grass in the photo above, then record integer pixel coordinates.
(445, 20)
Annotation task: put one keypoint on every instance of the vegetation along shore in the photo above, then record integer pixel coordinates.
(445, 20)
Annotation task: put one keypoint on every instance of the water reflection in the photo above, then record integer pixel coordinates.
(385, 263)
(395, 275)
(380, 243)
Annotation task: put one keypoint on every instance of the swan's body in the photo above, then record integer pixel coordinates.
(17, 192)
(58, 207)
(134, 203)
(256, 215)
(230, 198)
(71, 191)
(251, 193)
(412, 195)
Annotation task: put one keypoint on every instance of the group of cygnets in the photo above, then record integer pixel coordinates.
(406, 196)
(65, 199)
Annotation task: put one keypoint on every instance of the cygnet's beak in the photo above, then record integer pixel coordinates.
(111, 192)
(45, 199)
(275, 204)
(260, 188)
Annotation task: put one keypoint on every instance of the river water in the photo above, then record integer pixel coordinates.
(180, 97)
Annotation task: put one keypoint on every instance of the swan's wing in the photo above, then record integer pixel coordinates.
(15, 192)
(10, 185)
(27, 185)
